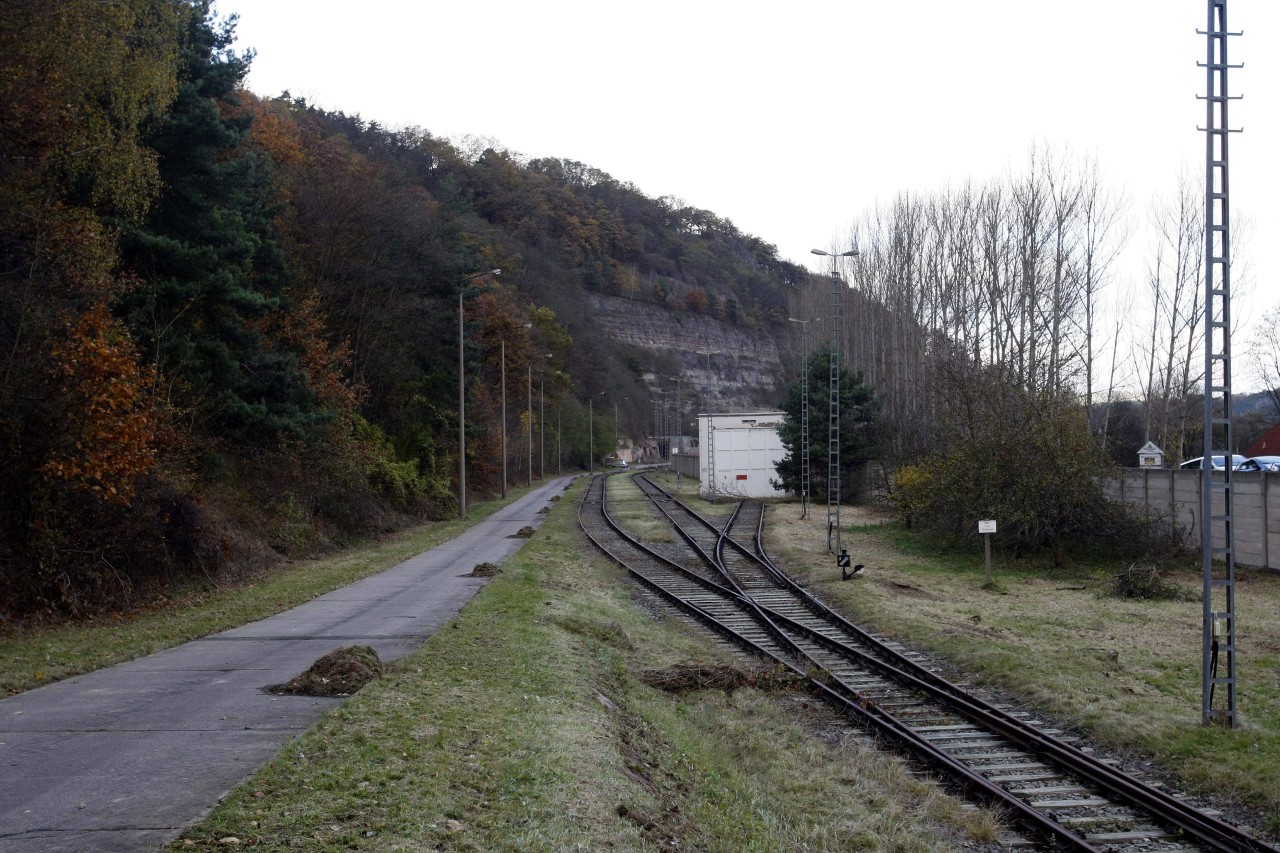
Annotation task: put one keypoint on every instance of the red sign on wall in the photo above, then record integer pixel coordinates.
(742, 476)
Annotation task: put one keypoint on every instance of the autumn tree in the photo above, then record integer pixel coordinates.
(80, 84)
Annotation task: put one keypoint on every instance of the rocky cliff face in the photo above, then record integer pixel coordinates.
(724, 368)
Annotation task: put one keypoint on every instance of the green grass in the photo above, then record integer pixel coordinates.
(30, 657)
(523, 725)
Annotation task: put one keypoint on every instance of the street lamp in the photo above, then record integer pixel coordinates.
(529, 412)
(503, 342)
(833, 401)
(462, 398)
(804, 418)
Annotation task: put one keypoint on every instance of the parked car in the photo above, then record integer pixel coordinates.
(1219, 461)
(1260, 463)
(616, 463)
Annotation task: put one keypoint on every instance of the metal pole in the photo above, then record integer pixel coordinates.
(530, 413)
(679, 422)
(833, 427)
(1218, 664)
(805, 484)
(542, 428)
(833, 401)
(657, 424)
(804, 417)
(504, 417)
(462, 400)
(462, 421)
(559, 453)
(615, 429)
(591, 435)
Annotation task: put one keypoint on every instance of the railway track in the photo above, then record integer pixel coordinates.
(1058, 795)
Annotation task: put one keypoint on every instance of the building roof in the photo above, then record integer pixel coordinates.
(1268, 445)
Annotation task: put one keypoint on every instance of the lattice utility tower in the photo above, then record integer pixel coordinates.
(711, 427)
(833, 400)
(804, 417)
(1219, 596)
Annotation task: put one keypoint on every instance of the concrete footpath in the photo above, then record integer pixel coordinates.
(123, 758)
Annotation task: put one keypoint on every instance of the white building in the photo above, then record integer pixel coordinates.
(738, 453)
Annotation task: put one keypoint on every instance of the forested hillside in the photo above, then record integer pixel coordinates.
(229, 325)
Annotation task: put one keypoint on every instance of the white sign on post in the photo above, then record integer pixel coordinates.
(987, 526)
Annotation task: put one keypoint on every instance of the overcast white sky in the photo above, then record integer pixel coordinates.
(790, 119)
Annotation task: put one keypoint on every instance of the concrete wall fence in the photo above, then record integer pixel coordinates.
(685, 463)
(1174, 496)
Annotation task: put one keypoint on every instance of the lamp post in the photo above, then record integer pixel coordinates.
(542, 428)
(462, 398)
(503, 343)
(804, 417)
(833, 401)
(529, 411)
(591, 431)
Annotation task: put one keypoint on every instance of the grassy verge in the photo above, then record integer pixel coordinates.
(34, 656)
(526, 724)
(1125, 670)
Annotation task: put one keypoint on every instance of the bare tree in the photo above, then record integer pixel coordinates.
(1172, 369)
(1264, 352)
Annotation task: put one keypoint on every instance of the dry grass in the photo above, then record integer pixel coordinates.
(633, 511)
(526, 725)
(1127, 670)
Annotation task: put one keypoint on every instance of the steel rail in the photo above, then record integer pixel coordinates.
(850, 700)
(1203, 828)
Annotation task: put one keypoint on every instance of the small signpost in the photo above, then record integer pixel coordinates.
(842, 559)
(986, 527)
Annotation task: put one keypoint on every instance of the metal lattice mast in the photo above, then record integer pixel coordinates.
(657, 422)
(711, 425)
(833, 411)
(1218, 668)
(804, 424)
(833, 401)
(679, 423)
(711, 456)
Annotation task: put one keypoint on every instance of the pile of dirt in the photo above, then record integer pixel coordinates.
(687, 677)
(484, 570)
(522, 533)
(340, 673)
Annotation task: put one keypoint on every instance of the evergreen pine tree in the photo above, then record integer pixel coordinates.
(859, 427)
(208, 257)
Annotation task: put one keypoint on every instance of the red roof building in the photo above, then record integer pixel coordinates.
(1268, 445)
